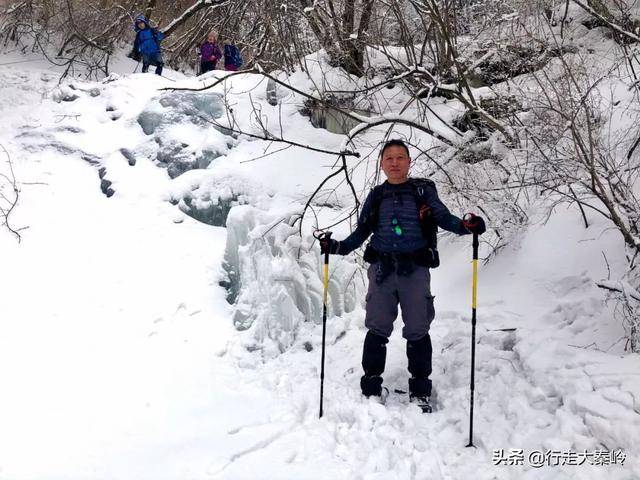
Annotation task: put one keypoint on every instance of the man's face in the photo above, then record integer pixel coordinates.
(395, 164)
(141, 25)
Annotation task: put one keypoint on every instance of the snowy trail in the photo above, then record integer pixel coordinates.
(372, 441)
(118, 357)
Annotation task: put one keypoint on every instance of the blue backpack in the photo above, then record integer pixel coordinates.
(233, 53)
(237, 59)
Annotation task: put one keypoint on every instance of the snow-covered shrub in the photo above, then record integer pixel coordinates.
(500, 63)
(64, 94)
(275, 279)
(477, 152)
(502, 108)
(627, 311)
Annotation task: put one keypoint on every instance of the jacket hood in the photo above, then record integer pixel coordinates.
(140, 18)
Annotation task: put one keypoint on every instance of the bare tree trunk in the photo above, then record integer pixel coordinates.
(148, 11)
(343, 41)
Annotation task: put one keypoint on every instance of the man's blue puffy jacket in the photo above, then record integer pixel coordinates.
(147, 39)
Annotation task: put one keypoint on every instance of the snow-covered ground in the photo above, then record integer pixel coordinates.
(118, 353)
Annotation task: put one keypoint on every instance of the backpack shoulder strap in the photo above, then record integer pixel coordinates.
(420, 185)
(377, 196)
(376, 199)
(428, 225)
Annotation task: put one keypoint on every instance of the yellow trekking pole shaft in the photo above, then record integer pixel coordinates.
(474, 289)
(324, 319)
(325, 280)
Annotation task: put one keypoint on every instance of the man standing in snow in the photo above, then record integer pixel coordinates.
(147, 45)
(402, 214)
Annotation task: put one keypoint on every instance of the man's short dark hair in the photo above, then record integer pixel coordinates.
(394, 142)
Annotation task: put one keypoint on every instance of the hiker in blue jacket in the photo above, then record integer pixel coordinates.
(147, 45)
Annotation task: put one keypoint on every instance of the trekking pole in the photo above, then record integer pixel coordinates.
(474, 288)
(326, 235)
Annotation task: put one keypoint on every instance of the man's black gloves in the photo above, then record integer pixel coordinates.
(474, 224)
(329, 245)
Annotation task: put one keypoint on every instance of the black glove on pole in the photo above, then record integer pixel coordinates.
(474, 223)
(474, 288)
(324, 236)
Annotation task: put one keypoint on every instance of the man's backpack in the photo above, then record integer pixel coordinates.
(428, 224)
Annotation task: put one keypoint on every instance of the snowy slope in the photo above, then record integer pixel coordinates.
(118, 353)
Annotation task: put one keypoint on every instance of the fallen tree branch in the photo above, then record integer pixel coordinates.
(8, 203)
(619, 287)
(190, 12)
(610, 24)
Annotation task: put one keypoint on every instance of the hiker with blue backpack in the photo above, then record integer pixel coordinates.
(232, 57)
(146, 46)
(403, 215)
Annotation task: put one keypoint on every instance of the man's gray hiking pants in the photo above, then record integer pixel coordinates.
(412, 292)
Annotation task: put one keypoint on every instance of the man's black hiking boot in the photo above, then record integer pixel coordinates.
(420, 393)
(371, 385)
(422, 401)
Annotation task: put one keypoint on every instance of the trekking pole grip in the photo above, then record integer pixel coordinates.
(327, 235)
(475, 246)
